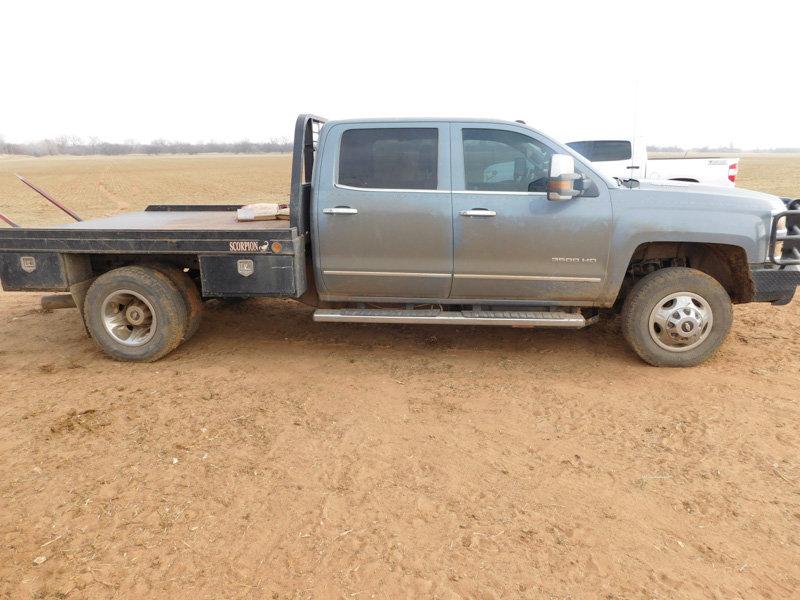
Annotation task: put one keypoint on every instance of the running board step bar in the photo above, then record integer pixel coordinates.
(570, 320)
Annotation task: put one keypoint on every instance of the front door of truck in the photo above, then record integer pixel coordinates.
(510, 241)
(384, 212)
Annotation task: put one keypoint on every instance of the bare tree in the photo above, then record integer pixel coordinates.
(94, 142)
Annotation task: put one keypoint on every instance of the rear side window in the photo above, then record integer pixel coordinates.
(392, 158)
(603, 150)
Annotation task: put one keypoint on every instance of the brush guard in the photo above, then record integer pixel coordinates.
(778, 280)
(789, 237)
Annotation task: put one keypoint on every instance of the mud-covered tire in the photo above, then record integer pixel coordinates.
(144, 285)
(191, 296)
(643, 304)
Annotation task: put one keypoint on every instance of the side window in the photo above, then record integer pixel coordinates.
(496, 160)
(603, 150)
(389, 158)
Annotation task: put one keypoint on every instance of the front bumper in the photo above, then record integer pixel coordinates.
(775, 284)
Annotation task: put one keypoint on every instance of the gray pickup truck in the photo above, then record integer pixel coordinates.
(430, 221)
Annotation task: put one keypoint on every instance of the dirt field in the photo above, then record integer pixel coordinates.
(272, 457)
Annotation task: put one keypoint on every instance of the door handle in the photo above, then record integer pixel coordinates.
(633, 167)
(340, 210)
(478, 212)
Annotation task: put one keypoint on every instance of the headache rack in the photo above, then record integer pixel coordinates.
(789, 237)
(306, 140)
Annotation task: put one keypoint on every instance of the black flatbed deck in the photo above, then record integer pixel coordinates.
(177, 221)
(180, 228)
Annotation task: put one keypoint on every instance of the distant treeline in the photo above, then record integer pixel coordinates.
(720, 149)
(77, 147)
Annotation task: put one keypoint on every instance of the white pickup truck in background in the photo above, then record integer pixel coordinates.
(627, 159)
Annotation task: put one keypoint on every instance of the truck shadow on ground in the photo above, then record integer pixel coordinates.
(267, 321)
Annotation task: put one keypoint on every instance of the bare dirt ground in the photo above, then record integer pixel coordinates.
(272, 457)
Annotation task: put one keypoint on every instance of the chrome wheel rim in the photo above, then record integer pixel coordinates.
(129, 318)
(680, 321)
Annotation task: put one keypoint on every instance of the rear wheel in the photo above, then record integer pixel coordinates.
(136, 314)
(188, 289)
(676, 317)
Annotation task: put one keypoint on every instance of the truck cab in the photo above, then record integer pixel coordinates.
(451, 211)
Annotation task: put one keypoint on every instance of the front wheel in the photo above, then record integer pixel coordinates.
(676, 317)
(136, 314)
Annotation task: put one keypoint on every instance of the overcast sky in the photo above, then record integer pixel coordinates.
(695, 73)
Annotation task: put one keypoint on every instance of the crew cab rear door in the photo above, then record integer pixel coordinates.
(383, 211)
(510, 241)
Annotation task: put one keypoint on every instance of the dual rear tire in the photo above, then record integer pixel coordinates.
(142, 313)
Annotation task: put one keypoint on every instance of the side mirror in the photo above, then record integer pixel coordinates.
(561, 185)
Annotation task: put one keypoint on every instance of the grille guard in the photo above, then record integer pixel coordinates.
(790, 237)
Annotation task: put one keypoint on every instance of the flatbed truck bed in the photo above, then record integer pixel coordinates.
(223, 256)
(180, 218)
(206, 239)
(178, 228)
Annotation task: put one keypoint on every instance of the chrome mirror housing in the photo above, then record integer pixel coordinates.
(561, 183)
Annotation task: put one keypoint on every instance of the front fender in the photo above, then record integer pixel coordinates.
(646, 217)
